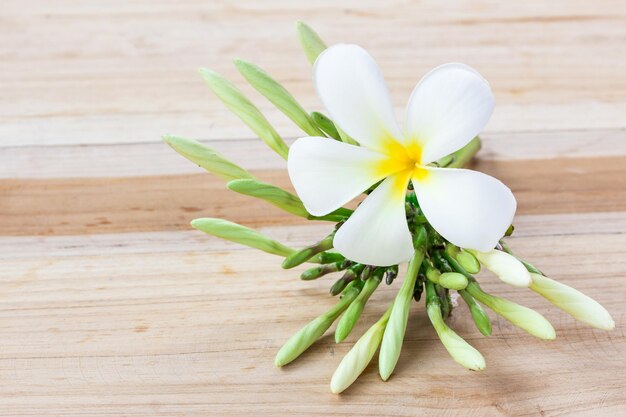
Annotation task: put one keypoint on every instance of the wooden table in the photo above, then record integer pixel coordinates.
(112, 306)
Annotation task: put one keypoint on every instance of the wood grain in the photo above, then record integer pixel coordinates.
(111, 306)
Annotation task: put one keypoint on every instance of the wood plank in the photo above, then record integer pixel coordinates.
(107, 205)
(135, 80)
(158, 329)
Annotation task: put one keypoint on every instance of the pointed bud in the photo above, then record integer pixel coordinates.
(236, 102)
(270, 193)
(396, 327)
(325, 124)
(453, 280)
(303, 255)
(278, 95)
(522, 317)
(573, 302)
(351, 316)
(480, 318)
(462, 352)
(507, 267)
(207, 158)
(318, 271)
(311, 43)
(306, 336)
(356, 360)
(240, 234)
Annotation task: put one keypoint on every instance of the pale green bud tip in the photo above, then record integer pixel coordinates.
(573, 302)
(461, 351)
(357, 359)
(468, 262)
(311, 43)
(453, 280)
(302, 340)
(508, 268)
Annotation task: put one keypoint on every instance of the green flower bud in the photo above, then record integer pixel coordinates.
(270, 193)
(356, 360)
(573, 302)
(468, 262)
(461, 351)
(325, 124)
(507, 267)
(240, 234)
(278, 95)
(206, 158)
(352, 314)
(396, 327)
(453, 280)
(306, 336)
(303, 255)
(318, 271)
(236, 102)
(481, 320)
(522, 317)
(311, 43)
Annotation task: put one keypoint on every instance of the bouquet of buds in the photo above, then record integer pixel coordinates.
(420, 206)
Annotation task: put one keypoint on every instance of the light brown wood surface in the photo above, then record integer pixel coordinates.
(111, 306)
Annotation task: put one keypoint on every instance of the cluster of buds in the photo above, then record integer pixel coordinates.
(437, 270)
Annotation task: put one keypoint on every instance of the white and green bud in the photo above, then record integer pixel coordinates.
(278, 95)
(573, 302)
(396, 327)
(351, 316)
(461, 351)
(507, 267)
(522, 317)
(270, 193)
(207, 158)
(453, 280)
(356, 360)
(307, 335)
(236, 102)
(310, 41)
(240, 234)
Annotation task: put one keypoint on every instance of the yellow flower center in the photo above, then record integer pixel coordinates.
(402, 160)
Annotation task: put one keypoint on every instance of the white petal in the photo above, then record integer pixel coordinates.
(327, 174)
(468, 208)
(354, 92)
(507, 267)
(449, 106)
(377, 233)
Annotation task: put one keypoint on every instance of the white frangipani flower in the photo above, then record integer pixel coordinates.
(449, 106)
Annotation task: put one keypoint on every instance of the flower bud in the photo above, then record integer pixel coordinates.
(303, 255)
(236, 102)
(468, 262)
(396, 327)
(270, 193)
(462, 352)
(573, 302)
(311, 43)
(278, 95)
(325, 124)
(453, 280)
(522, 317)
(505, 266)
(356, 360)
(307, 335)
(351, 316)
(240, 234)
(321, 270)
(481, 320)
(207, 158)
